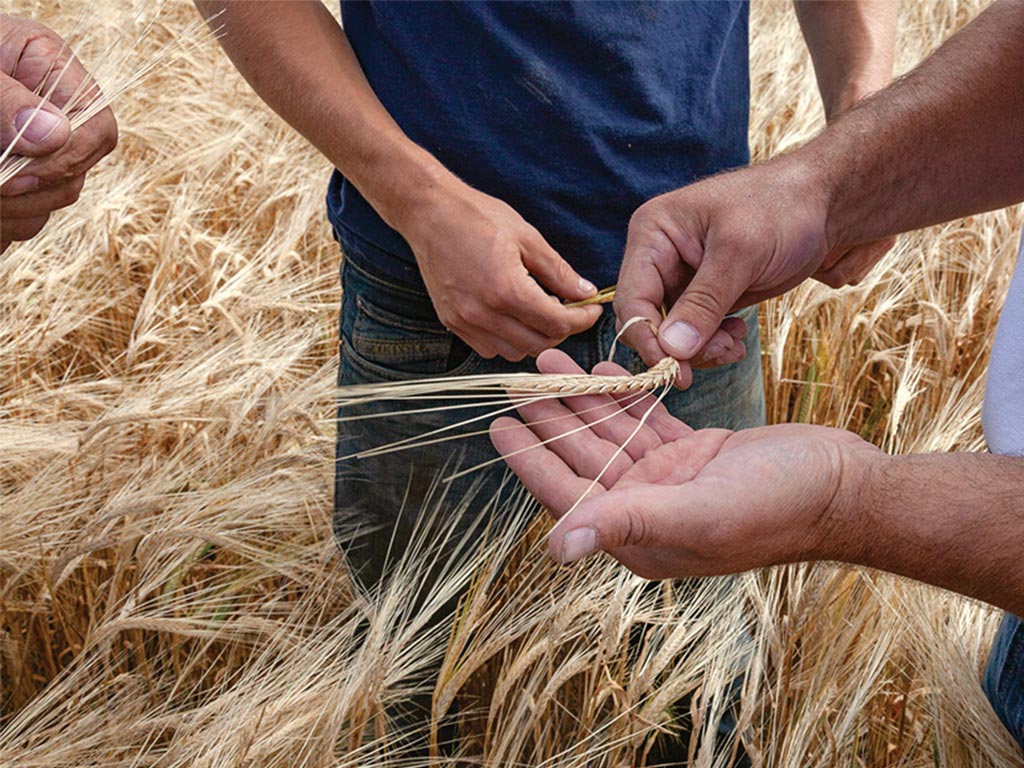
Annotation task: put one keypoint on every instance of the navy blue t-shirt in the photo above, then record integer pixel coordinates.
(572, 113)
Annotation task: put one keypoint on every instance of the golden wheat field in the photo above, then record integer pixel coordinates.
(170, 590)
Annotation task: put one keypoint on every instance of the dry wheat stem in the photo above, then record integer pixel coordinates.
(172, 595)
(615, 410)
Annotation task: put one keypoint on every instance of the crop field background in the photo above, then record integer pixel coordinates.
(170, 590)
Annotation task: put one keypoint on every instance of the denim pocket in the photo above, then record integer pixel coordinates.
(391, 333)
(1004, 677)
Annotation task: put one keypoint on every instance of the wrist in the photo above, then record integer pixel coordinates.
(412, 183)
(852, 515)
(805, 177)
(852, 92)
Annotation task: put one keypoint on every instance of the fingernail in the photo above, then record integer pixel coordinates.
(40, 124)
(715, 349)
(21, 185)
(682, 337)
(578, 544)
(587, 287)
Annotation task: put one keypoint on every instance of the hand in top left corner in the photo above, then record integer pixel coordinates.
(35, 62)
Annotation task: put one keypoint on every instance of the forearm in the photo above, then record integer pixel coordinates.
(952, 520)
(298, 59)
(945, 141)
(851, 45)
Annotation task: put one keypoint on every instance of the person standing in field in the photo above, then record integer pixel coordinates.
(945, 141)
(489, 157)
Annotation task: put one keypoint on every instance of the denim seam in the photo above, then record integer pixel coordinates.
(382, 316)
(367, 369)
(352, 257)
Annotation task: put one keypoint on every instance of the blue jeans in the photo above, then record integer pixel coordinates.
(1004, 677)
(390, 332)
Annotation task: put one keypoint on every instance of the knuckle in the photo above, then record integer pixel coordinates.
(705, 301)
(833, 279)
(536, 349)
(109, 136)
(472, 316)
(645, 214)
(637, 531)
(505, 301)
(560, 328)
(70, 192)
(563, 272)
(449, 320)
(8, 87)
(46, 45)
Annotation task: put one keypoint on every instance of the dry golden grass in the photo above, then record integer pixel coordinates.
(170, 591)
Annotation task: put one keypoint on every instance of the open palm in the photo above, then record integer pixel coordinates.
(673, 501)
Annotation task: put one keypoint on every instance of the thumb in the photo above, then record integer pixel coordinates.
(625, 518)
(698, 313)
(554, 272)
(43, 127)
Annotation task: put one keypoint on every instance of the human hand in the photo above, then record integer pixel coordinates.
(714, 247)
(678, 502)
(850, 266)
(483, 267)
(34, 58)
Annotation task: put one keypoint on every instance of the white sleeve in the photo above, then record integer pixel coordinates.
(1003, 413)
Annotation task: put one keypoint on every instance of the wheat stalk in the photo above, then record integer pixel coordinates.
(170, 590)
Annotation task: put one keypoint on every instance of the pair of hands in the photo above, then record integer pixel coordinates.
(35, 60)
(678, 502)
(702, 252)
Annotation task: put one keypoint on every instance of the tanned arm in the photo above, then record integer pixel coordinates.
(953, 520)
(947, 140)
(480, 261)
(851, 44)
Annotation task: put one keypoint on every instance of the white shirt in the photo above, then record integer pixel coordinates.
(1003, 413)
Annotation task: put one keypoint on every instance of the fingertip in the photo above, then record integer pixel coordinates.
(736, 327)
(607, 368)
(575, 544)
(555, 361)
(679, 339)
(738, 352)
(684, 377)
(43, 130)
(503, 423)
(503, 432)
(20, 185)
(734, 354)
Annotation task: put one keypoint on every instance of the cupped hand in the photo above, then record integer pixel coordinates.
(34, 59)
(484, 265)
(678, 502)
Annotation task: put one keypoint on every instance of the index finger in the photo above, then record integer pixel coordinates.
(549, 316)
(640, 335)
(551, 481)
(48, 65)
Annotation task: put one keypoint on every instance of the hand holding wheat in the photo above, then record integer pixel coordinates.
(484, 265)
(43, 87)
(678, 502)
